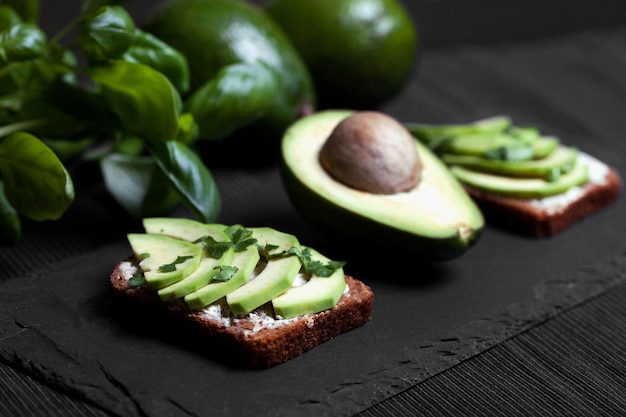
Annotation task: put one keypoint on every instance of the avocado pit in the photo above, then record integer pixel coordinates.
(372, 152)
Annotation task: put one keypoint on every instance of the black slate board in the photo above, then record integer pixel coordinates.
(57, 323)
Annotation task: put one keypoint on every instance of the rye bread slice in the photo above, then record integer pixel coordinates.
(540, 220)
(256, 340)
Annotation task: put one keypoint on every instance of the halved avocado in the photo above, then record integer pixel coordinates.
(436, 220)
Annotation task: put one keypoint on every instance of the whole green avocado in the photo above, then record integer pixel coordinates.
(245, 73)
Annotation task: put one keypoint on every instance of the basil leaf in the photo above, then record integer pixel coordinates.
(142, 98)
(186, 171)
(106, 32)
(137, 184)
(149, 50)
(80, 102)
(22, 42)
(8, 17)
(27, 9)
(36, 182)
(127, 179)
(236, 97)
(10, 225)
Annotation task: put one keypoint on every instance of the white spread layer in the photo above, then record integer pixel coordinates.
(597, 175)
(260, 319)
(128, 270)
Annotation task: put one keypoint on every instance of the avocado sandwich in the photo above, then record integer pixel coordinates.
(256, 294)
(520, 178)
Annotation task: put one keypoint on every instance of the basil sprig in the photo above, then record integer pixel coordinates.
(119, 107)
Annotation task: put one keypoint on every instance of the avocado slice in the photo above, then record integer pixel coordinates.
(436, 220)
(277, 276)
(317, 294)
(245, 262)
(526, 188)
(191, 231)
(181, 228)
(430, 134)
(487, 145)
(558, 162)
(199, 278)
(164, 260)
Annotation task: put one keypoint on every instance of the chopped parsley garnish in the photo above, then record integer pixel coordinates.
(310, 266)
(172, 267)
(137, 280)
(143, 256)
(226, 272)
(518, 152)
(240, 239)
(214, 248)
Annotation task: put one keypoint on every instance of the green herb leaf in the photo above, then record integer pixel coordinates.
(150, 50)
(106, 32)
(323, 270)
(310, 266)
(240, 240)
(142, 98)
(238, 95)
(241, 237)
(36, 183)
(214, 248)
(27, 9)
(172, 267)
(144, 255)
(510, 153)
(137, 280)
(8, 17)
(187, 173)
(226, 272)
(268, 249)
(138, 184)
(22, 42)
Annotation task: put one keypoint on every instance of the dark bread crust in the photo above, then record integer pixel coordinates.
(521, 216)
(268, 346)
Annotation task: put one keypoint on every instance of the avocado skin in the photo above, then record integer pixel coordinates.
(367, 235)
(230, 32)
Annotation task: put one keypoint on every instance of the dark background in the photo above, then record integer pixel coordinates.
(556, 64)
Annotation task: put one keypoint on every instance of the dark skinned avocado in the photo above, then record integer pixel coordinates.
(434, 220)
(214, 35)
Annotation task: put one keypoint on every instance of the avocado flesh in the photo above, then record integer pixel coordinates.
(199, 278)
(191, 231)
(436, 220)
(317, 294)
(523, 188)
(185, 229)
(430, 134)
(277, 276)
(163, 250)
(480, 144)
(245, 262)
(560, 161)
